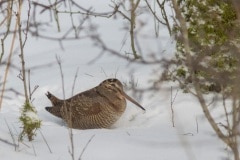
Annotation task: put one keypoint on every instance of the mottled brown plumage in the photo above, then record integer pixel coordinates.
(99, 107)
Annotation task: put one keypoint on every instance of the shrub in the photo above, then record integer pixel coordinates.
(30, 121)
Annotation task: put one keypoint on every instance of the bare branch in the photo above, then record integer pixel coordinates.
(8, 65)
(84, 149)
(171, 104)
(22, 52)
(132, 26)
(74, 81)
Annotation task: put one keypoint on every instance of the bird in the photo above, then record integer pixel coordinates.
(99, 107)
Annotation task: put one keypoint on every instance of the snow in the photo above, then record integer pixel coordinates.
(136, 136)
(148, 135)
(32, 116)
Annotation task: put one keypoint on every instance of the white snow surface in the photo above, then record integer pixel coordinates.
(137, 135)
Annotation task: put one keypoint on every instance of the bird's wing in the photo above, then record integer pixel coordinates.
(86, 103)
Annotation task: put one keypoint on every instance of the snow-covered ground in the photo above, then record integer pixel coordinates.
(136, 136)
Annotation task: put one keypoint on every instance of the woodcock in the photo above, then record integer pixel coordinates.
(99, 107)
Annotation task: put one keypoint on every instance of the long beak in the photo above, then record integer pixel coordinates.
(133, 101)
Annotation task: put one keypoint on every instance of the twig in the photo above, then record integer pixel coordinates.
(132, 26)
(71, 17)
(22, 52)
(56, 17)
(172, 101)
(72, 151)
(197, 124)
(87, 74)
(116, 10)
(128, 133)
(67, 113)
(154, 13)
(8, 64)
(45, 141)
(104, 72)
(34, 151)
(29, 85)
(61, 73)
(164, 14)
(9, 143)
(74, 81)
(30, 91)
(84, 149)
(9, 20)
(27, 25)
(95, 14)
(12, 136)
(226, 113)
(188, 134)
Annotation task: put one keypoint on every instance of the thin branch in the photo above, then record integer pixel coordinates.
(27, 26)
(56, 16)
(8, 64)
(172, 101)
(197, 128)
(226, 113)
(132, 26)
(9, 20)
(105, 48)
(116, 10)
(95, 14)
(74, 81)
(164, 14)
(45, 141)
(30, 91)
(22, 52)
(34, 150)
(86, 146)
(12, 136)
(154, 13)
(67, 114)
(61, 73)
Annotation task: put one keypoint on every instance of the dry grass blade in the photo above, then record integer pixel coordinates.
(12, 136)
(86, 146)
(45, 141)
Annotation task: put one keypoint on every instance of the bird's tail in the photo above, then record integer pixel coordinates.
(54, 100)
(55, 111)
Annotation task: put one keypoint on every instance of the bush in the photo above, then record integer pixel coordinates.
(213, 34)
(30, 121)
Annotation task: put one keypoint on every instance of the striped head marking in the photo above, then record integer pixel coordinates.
(113, 84)
(116, 86)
